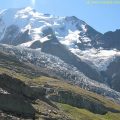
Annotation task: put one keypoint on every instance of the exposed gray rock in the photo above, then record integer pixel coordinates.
(67, 97)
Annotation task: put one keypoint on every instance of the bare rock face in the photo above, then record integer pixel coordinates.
(16, 105)
(111, 40)
(36, 44)
(13, 36)
(67, 97)
(15, 86)
(57, 49)
(5, 116)
(113, 73)
(14, 97)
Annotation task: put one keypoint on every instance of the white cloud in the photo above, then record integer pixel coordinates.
(33, 2)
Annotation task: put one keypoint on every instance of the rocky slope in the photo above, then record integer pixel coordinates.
(111, 40)
(65, 48)
(32, 98)
(54, 67)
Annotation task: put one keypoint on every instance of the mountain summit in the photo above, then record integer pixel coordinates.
(37, 27)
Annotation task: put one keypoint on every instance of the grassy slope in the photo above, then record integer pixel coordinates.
(82, 114)
(75, 113)
(57, 84)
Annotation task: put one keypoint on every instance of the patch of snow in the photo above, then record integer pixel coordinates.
(44, 39)
(113, 75)
(84, 27)
(100, 58)
(71, 39)
(86, 39)
(3, 91)
(28, 44)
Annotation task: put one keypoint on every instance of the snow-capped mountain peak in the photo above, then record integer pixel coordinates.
(36, 21)
(27, 27)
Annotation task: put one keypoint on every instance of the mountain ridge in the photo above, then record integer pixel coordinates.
(57, 68)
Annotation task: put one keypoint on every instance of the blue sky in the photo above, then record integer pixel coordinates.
(102, 17)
